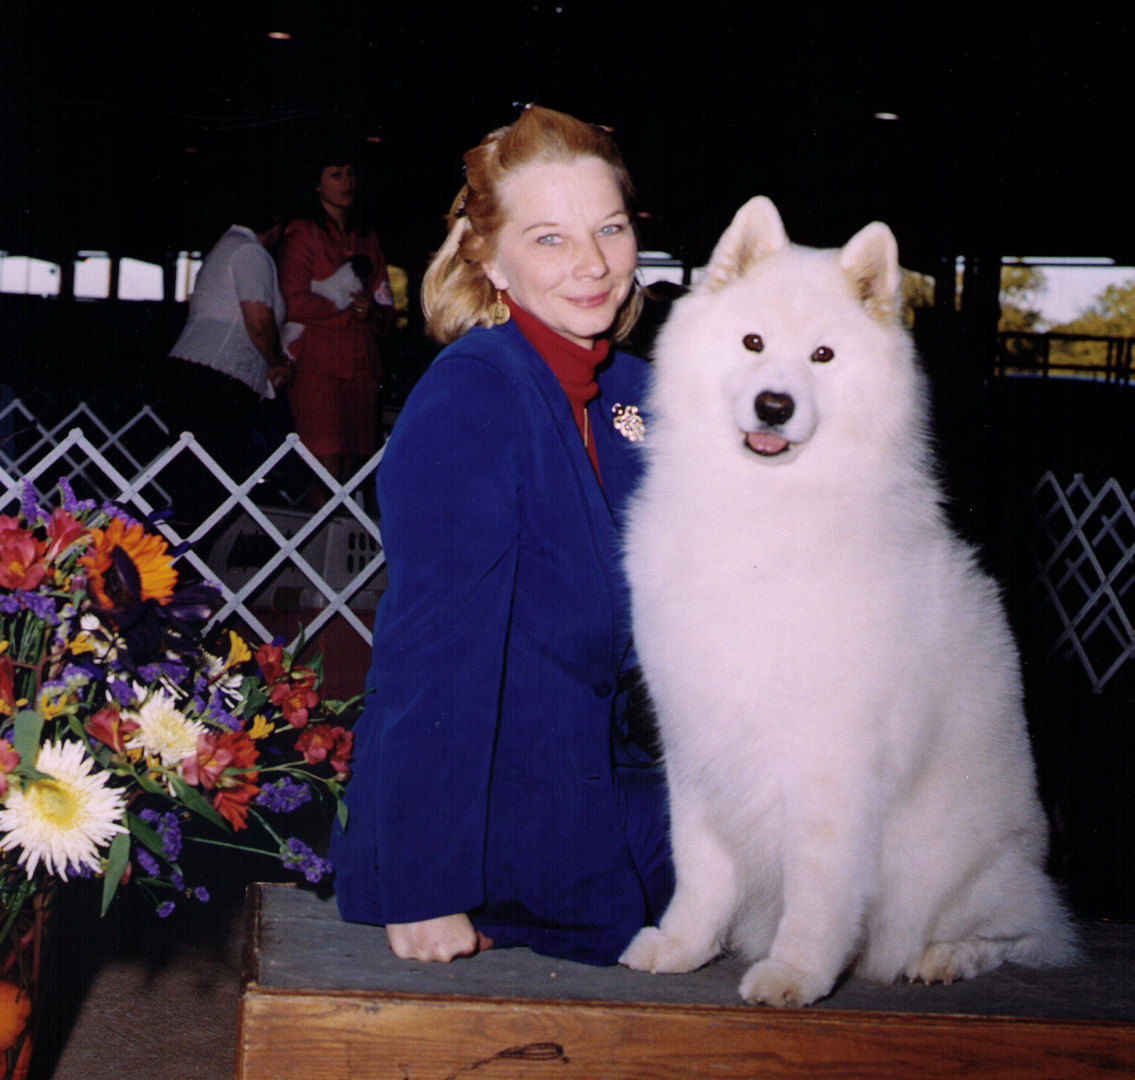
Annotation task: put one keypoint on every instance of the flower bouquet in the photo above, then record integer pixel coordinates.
(124, 732)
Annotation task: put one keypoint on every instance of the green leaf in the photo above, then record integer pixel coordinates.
(193, 800)
(143, 833)
(27, 729)
(116, 860)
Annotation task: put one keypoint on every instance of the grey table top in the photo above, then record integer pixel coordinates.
(303, 945)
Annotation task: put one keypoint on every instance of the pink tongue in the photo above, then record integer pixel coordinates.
(765, 442)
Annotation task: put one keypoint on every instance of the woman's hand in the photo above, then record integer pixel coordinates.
(363, 307)
(443, 939)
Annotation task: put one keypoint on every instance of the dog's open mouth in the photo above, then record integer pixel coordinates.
(766, 443)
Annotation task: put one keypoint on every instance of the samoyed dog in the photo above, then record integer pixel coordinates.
(837, 690)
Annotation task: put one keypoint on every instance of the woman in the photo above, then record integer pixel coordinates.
(334, 281)
(498, 796)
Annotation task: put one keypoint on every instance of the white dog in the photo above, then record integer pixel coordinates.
(837, 689)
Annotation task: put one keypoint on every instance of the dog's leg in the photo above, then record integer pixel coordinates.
(829, 871)
(693, 929)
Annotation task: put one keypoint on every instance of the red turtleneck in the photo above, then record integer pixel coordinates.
(572, 364)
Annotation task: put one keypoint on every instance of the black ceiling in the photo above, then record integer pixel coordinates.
(132, 127)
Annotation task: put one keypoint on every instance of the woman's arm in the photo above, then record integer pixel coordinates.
(448, 489)
(299, 252)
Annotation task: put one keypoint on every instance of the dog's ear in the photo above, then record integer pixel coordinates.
(755, 232)
(870, 260)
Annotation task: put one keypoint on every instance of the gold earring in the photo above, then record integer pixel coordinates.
(498, 311)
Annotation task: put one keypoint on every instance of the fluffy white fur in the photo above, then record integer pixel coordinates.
(836, 685)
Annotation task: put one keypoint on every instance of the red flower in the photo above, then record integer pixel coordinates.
(7, 687)
(20, 555)
(234, 789)
(321, 742)
(108, 727)
(62, 531)
(270, 659)
(295, 699)
(232, 804)
(9, 759)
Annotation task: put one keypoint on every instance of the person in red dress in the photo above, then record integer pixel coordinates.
(334, 282)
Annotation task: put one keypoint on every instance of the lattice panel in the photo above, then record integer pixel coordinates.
(1083, 544)
(287, 548)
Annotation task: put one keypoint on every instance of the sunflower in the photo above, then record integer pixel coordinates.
(164, 732)
(127, 565)
(62, 819)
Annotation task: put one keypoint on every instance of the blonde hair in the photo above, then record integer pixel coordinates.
(456, 294)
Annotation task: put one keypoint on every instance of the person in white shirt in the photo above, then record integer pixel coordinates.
(228, 357)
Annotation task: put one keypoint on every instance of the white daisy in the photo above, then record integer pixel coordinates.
(164, 732)
(63, 819)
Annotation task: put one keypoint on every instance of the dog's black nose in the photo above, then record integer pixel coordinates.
(773, 408)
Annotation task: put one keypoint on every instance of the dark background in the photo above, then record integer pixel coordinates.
(130, 127)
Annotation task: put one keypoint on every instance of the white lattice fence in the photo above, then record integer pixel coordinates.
(1083, 545)
(287, 537)
(126, 445)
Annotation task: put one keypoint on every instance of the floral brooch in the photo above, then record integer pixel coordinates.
(628, 423)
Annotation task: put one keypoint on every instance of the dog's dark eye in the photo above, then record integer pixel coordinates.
(822, 355)
(753, 342)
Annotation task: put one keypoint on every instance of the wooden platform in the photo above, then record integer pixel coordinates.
(326, 1000)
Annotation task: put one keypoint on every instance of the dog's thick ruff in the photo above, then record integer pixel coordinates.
(837, 688)
(492, 771)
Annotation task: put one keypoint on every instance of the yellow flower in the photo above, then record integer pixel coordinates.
(260, 728)
(149, 554)
(54, 700)
(238, 651)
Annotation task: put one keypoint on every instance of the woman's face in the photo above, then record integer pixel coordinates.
(566, 252)
(336, 187)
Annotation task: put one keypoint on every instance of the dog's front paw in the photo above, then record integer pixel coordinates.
(659, 953)
(773, 982)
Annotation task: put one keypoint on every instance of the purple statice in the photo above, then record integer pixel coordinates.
(202, 894)
(84, 669)
(177, 881)
(80, 871)
(121, 691)
(219, 715)
(72, 505)
(283, 796)
(9, 603)
(120, 512)
(42, 607)
(68, 493)
(167, 827)
(166, 910)
(171, 671)
(148, 863)
(28, 506)
(296, 855)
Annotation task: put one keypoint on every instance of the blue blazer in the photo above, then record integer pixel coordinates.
(493, 770)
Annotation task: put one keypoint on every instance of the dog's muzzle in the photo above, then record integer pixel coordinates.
(773, 410)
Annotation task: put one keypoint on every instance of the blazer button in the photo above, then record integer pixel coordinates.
(602, 689)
